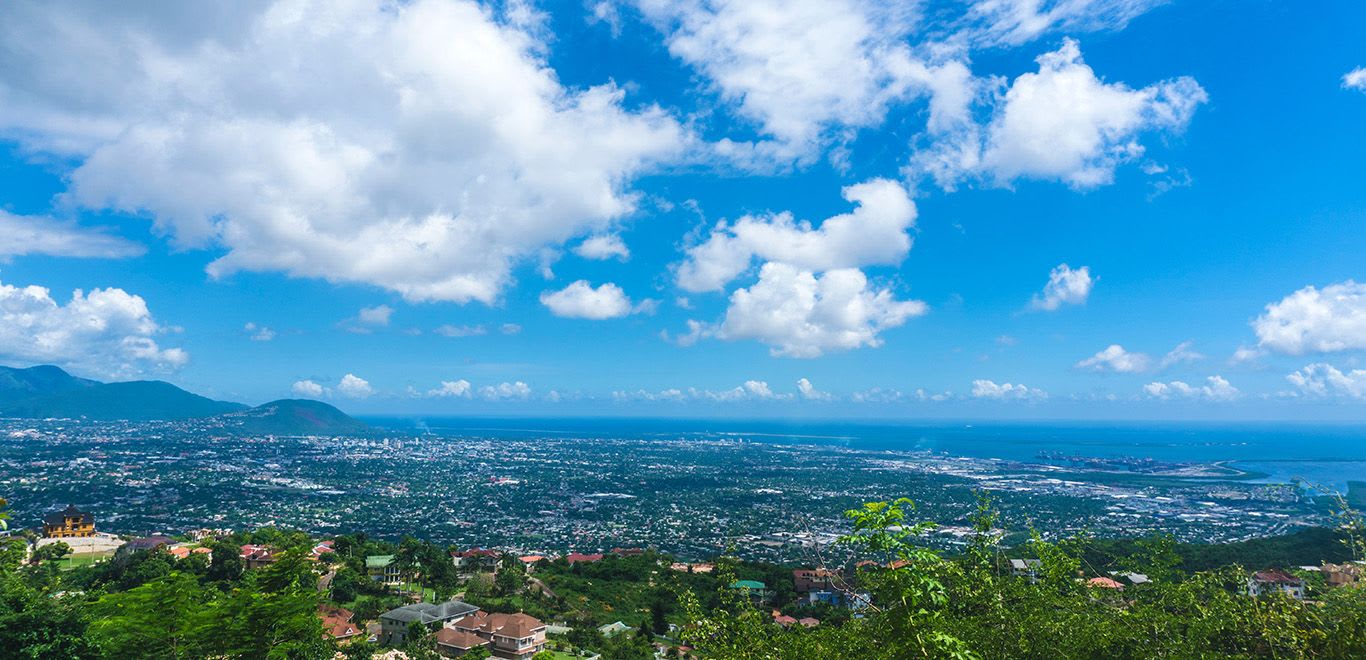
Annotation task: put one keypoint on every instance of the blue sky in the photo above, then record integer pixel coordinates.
(1126, 209)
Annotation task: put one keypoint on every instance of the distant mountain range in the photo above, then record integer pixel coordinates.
(48, 391)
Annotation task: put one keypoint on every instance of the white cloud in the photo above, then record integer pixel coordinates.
(28, 234)
(451, 388)
(804, 72)
(1355, 79)
(603, 247)
(1182, 352)
(354, 387)
(1325, 380)
(874, 233)
(377, 315)
(308, 388)
(809, 391)
(1315, 320)
(800, 314)
(580, 300)
(1065, 286)
(515, 390)
(1013, 22)
(988, 389)
(455, 331)
(424, 147)
(1061, 123)
(876, 395)
(1216, 388)
(759, 389)
(1246, 354)
(1115, 358)
(108, 332)
(510, 328)
(259, 332)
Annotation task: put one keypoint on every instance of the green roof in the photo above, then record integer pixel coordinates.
(748, 584)
(378, 561)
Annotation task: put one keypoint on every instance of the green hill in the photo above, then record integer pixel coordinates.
(44, 380)
(294, 417)
(133, 400)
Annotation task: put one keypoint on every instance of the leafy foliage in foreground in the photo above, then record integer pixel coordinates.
(972, 607)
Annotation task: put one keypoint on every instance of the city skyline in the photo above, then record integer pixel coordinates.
(1123, 209)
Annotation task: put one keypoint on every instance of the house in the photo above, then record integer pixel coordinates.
(257, 556)
(576, 557)
(783, 619)
(182, 551)
(1273, 580)
(752, 589)
(1026, 568)
(613, 629)
(454, 643)
(849, 600)
(628, 552)
(1104, 583)
(149, 543)
(337, 623)
(68, 523)
(514, 636)
(322, 551)
(529, 562)
(476, 559)
(383, 568)
(809, 622)
(1133, 578)
(805, 580)
(394, 623)
(1341, 575)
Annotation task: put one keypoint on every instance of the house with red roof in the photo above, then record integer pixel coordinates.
(514, 636)
(1275, 580)
(576, 557)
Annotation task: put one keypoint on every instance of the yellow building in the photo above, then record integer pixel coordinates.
(67, 523)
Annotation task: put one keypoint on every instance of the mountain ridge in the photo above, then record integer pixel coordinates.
(47, 391)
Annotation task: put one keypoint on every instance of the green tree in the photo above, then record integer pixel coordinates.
(162, 618)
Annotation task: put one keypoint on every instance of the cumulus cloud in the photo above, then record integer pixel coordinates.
(1325, 380)
(22, 235)
(1115, 358)
(510, 328)
(354, 387)
(1315, 320)
(258, 332)
(377, 315)
(1216, 388)
(603, 247)
(580, 300)
(799, 314)
(308, 388)
(452, 389)
(424, 147)
(503, 391)
(809, 391)
(1355, 79)
(874, 233)
(1061, 123)
(1065, 287)
(107, 332)
(988, 389)
(802, 72)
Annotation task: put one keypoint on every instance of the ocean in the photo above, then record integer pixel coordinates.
(1327, 454)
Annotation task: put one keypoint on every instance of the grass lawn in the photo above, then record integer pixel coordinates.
(85, 559)
(428, 594)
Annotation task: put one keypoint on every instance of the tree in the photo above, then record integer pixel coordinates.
(161, 618)
(658, 623)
